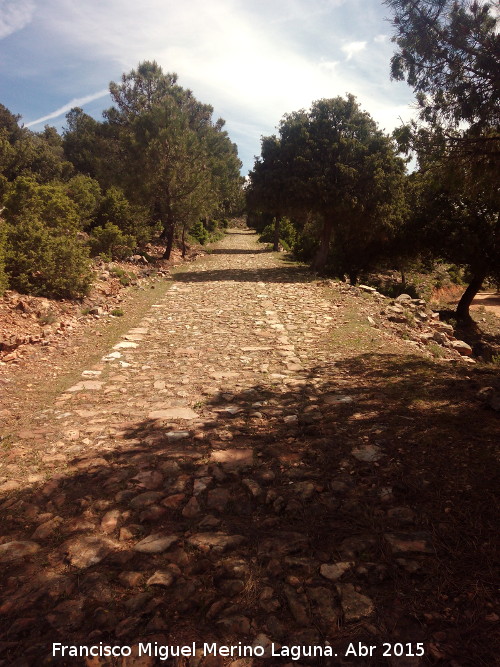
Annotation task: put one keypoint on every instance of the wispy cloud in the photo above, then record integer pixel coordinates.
(352, 48)
(77, 102)
(15, 15)
(329, 65)
(253, 61)
(380, 39)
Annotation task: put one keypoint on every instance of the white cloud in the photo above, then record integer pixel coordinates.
(352, 48)
(15, 15)
(253, 62)
(329, 65)
(380, 39)
(77, 102)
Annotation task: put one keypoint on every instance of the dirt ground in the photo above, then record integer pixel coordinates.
(244, 459)
(490, 301)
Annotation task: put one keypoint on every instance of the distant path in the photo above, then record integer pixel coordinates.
(253, 462)
(490, 300)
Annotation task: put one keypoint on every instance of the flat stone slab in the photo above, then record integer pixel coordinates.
(146, 499)
(125, 345)
(156, 543)
(218, 542)
(355, 606)
(11, 485)
(408, 543)
(161, 578)
(334, 571)
(337, 399)
(89, 385)
(173, 413)
(367, 453)
(87, 550)
(112, 356)
(11, 551)
(462, 347)
(283, 544)
(173, 436)
(233, 458)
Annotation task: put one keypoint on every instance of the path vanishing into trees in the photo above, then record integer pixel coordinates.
(253, 463)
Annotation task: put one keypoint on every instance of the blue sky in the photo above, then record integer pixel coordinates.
(252, 60)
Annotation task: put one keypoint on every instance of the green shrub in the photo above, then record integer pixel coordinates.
(199, 233)
(288, 234)
(111, 242)
(85, 192)
(456, 274)
(131, 220)
(117, 312)
(46, 262)
(47, 202)
(125, 277)
(44, 254)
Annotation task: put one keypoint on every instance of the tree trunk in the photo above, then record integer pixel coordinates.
(184, 240)
(319, 261)
(276, 242)
(169, 236)
(468, 296)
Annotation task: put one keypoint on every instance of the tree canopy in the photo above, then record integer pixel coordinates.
(333, 164)
(157, 161)
(184, 165)
(449, 52)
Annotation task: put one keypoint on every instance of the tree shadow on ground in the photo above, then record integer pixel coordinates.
(239, 251)
(267, 275)
(278, 492)
(485, 344)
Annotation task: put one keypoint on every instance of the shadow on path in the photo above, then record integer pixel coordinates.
(239, 251)
(286, 274)
(252, 531)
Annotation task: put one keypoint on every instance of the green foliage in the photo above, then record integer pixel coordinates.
(332, 164)
(178, 162)
(158, 162)
(45, 255)
(117, 312)
(287, 234)
(85, 192)
(199, 233)
(456, 274)
(93, 148)
(110, 242)
(449, 52)
(436, 350)
(48, 202)
(125, 277)
(46, 261)
(131, 219)
(458, 226)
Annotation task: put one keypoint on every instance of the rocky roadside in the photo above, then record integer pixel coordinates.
(30, 322)
(224, 473)
(412, 320)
